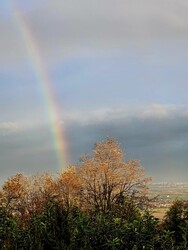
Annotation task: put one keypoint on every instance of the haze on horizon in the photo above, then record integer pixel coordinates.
(118, 69)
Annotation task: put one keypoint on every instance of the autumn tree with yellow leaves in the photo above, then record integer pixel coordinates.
(23, 196)
(68, 188)
(108, 180)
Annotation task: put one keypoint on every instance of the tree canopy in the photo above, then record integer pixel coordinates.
(107, 179)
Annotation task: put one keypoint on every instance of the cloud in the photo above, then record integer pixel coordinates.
(128, 113)
(76, 26)
(7, 128)
(71, 27)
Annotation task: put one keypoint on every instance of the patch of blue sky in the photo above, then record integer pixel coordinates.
(5, 7)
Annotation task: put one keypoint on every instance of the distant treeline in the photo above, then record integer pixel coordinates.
(101, 203)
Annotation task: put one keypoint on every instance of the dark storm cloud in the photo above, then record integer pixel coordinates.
(159, 142)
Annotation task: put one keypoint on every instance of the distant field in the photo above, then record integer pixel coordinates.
(166, 194)
(169, 192)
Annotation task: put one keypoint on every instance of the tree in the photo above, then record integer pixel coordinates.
(22, 196)
(68, 188)
(107, 180)
(14, 193)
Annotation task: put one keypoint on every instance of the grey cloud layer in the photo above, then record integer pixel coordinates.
(109, 24)
(67, 27)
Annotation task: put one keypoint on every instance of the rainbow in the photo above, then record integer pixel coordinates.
(46, 86)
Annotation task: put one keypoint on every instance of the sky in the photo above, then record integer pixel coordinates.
(107, 69)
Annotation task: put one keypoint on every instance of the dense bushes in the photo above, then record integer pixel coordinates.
(56, 228)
